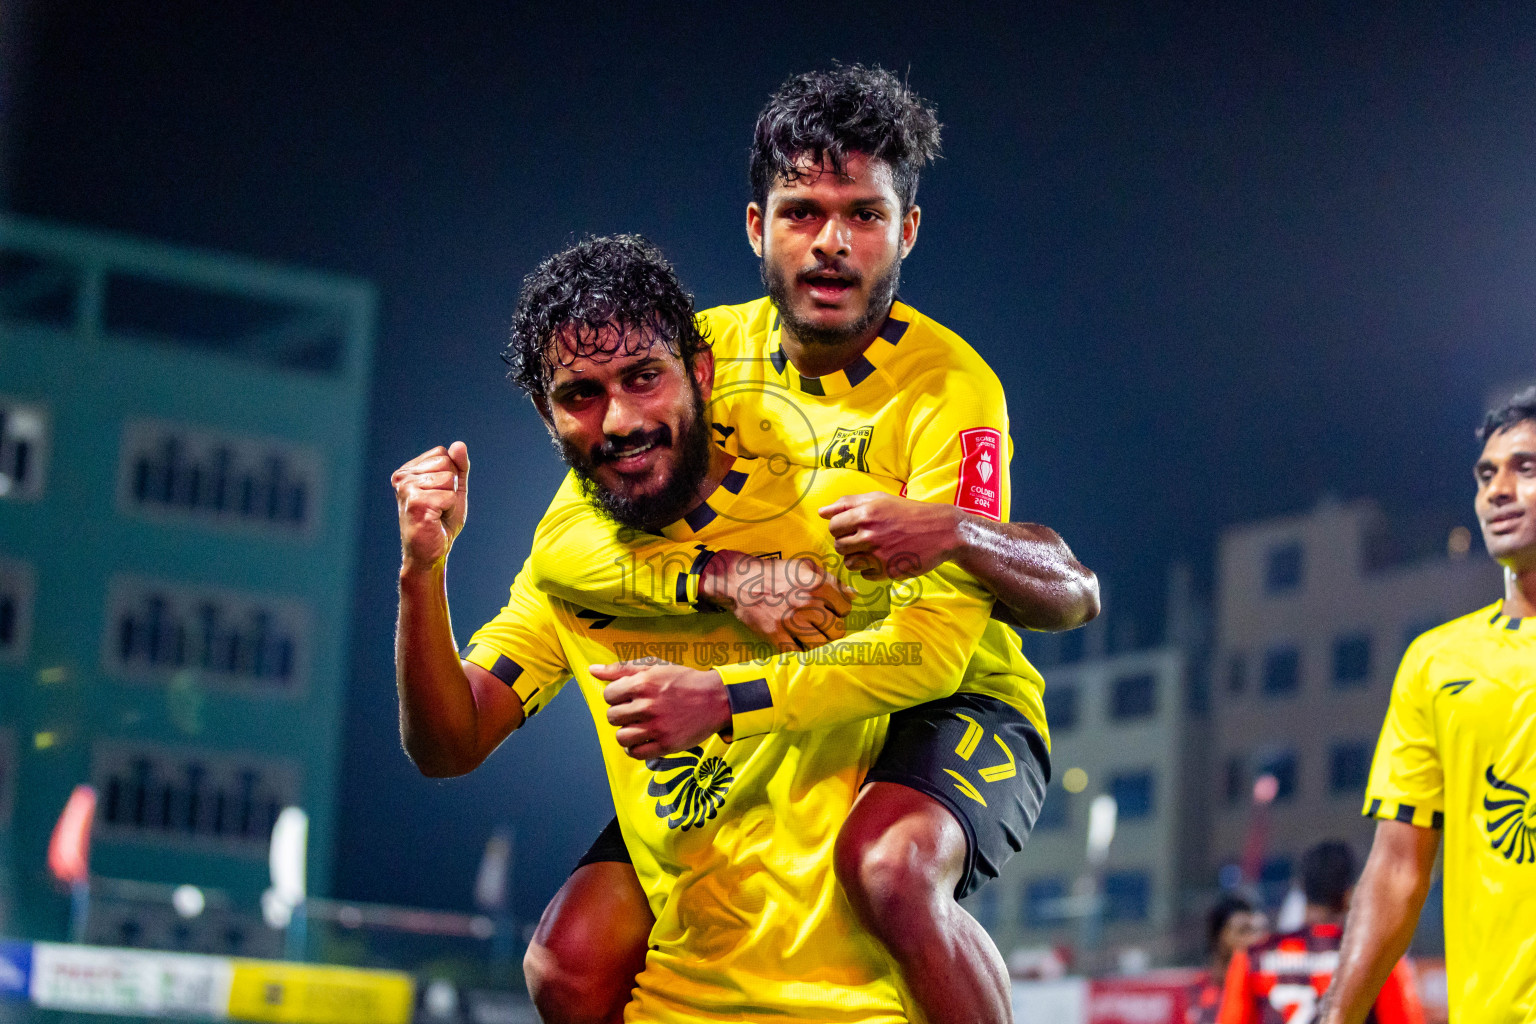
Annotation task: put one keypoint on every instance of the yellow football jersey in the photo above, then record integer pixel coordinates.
(733, 842)
(1458, 752)
(918, 413)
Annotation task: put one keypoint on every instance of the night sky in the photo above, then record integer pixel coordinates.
(1224, 262)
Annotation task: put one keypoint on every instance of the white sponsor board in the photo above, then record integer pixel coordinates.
(97, 979)
(1060, 1001)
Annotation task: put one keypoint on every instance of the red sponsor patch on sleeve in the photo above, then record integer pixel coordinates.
(981, 472)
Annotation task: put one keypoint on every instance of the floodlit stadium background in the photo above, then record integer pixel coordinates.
(1248, 279)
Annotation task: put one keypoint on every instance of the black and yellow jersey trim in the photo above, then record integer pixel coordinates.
(1408, 814)
(849, 377)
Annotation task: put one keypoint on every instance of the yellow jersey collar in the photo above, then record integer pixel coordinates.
(855, 373)
(719, 501)
(1525, 626)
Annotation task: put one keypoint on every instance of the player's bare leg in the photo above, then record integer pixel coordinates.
(590, 944)
(899, 856)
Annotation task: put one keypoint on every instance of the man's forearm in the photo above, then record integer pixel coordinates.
(1382, 917)
(1030, 570)
(438, 719)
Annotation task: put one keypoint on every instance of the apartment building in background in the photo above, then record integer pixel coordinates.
(181, 439)
(1121, 724)
(1313, 614)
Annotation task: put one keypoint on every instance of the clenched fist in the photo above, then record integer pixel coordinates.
(793, 603)
(883, 537)
(662, 708)
(432, 494)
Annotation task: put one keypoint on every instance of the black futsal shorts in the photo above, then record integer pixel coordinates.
(980, 758)
(976, 755)
(609, 846)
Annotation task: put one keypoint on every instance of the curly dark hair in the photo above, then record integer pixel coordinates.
(613, 281)
(830, 115)
(1230, 905)
(1520, 407)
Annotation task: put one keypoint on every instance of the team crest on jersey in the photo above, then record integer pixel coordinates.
(690, 787)
(848, 449)
(1511, 820)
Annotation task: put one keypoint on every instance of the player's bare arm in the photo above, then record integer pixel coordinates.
(452, 714)
(1382, 917)
(1027, 567)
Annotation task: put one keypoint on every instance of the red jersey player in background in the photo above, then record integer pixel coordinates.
(1282, 979)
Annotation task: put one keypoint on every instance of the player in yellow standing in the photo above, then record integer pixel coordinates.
(831, 371)
(1457, 757)
(731, 835)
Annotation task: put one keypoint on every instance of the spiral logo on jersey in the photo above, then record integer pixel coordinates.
(691, 787)
(1511, 820)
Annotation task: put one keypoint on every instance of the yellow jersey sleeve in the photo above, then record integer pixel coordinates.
(521, 647)
(577, 557)
(915, 654)
(959, 443)
(1407, 782)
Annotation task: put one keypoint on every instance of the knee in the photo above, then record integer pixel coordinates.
(891, 881)
(566, 989)
(556, 991)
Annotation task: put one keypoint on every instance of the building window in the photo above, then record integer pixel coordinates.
(158, 632)
(16, 590)
(1133, 697)
(1042, 901)
(1060, 707)
(1349, 766)
(1127, 896)
(177, 472)
(1274, 879)
(1282, 765)
(1237, 673)
(1352, 660)
(221, 801)
(1237, 780)
(1056, 811)
(1282, 671)
(1133, 793)
(23, 449)
(1282, 568)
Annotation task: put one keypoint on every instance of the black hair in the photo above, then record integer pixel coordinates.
(1519, 408)
(621, 282)
(1225, 909)
(830, 115)
(1328, 873)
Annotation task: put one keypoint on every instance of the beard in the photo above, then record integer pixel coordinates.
(678, 494)
(881, 294)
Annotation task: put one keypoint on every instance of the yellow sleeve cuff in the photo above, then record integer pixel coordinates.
(746, 686)
(685, 585)
(1407, 813)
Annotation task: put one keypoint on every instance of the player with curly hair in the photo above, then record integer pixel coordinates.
(730, 837)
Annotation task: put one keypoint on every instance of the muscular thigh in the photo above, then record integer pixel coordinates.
(979, 760)
(600, 915)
